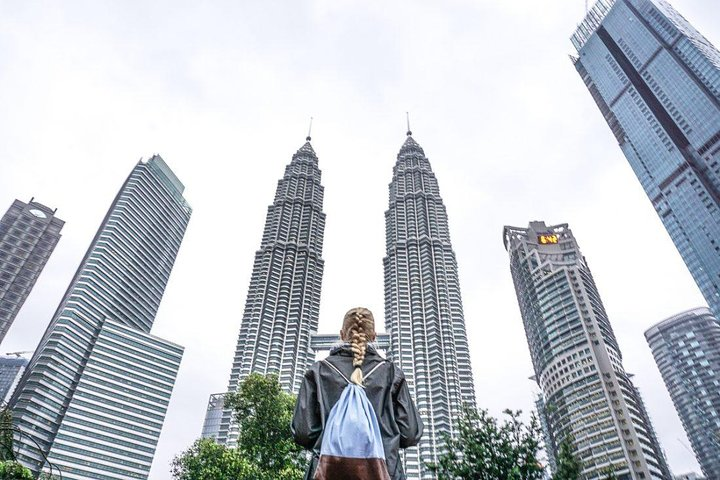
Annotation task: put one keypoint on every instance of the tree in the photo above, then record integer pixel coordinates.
(265, 451)
(207, 459)
(568, 465)
(485, 449)
(12, 470)
(264, 413)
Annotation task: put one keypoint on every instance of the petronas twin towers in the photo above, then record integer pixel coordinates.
(423, 307)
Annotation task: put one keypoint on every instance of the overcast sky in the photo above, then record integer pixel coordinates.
(224, 90)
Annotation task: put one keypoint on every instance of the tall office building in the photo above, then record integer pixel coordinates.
(545, 428)
(587, 394)
(12, 368)
(686, 348)
(283, 301)
(423, 307)
(657, 83)
(28, 235)
(94, 398)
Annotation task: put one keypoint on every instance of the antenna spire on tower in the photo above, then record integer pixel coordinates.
(407, 115)
(308, 138)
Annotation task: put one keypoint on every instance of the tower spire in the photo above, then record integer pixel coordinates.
(407, 116)
(308, 138)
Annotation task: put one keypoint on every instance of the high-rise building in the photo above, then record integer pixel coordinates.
(587, 395)
(423, 308)
(12, 368)
(283, 301)
(689, 476)
(28, 235)
(545, 428)
(656, 81)
(686, 348)
(95, 394)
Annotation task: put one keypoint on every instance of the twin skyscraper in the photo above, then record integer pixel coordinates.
(93, 399)
(423, 309)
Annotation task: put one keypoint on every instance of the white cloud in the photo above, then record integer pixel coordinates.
(223, 92)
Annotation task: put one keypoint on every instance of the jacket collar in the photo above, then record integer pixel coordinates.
(344, 349)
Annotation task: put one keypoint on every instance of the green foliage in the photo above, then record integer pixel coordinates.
(264, 413)
(11, 470)
(568, 465)
(265, 451)
(206, 459)
(486, 449)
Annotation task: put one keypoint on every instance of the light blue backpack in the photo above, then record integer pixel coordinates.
(352, 447)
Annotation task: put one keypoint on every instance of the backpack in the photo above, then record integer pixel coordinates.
(352, 447)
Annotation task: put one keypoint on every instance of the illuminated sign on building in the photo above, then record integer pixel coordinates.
(546, 239)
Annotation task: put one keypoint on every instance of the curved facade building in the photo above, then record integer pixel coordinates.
(423, 308)
(686, 348)
(586, 392)
(283, 301)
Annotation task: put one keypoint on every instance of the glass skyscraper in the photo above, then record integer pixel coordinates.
(95, 394)
(283, 300)
(586, 394)
(656, 81)
(11, 371)
(686, 348)
(423, 308)
(28, 235)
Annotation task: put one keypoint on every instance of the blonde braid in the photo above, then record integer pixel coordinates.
(358, 327)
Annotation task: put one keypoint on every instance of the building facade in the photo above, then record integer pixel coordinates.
(423, 307)
(283, 301)
(28, 235)
(551, 462)
(587, 394)
(689, 476)
(686, 348)
(656, 81)
(11, 371)
(95, 394)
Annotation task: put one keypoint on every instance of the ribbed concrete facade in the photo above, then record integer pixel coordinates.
(587, 394)
(28, 235)
(98, 386)
(686, 348)
(656, 81)
(283, 301)
(423, 307)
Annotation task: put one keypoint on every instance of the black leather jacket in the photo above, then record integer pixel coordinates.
(400, 424)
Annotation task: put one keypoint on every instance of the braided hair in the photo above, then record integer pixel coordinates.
(358, 329)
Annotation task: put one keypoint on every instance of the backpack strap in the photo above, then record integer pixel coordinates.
(365, 376)
(337, 370)
(373, 369)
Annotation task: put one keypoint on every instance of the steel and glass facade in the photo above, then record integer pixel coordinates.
(213, 416)
(656, 81)
(11, 371)
(283, 301)
(586, 393)
(686, 348)
(28, 235)
(97, 388)
(423, 307)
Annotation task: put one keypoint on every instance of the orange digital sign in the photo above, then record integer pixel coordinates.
(547, 239)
